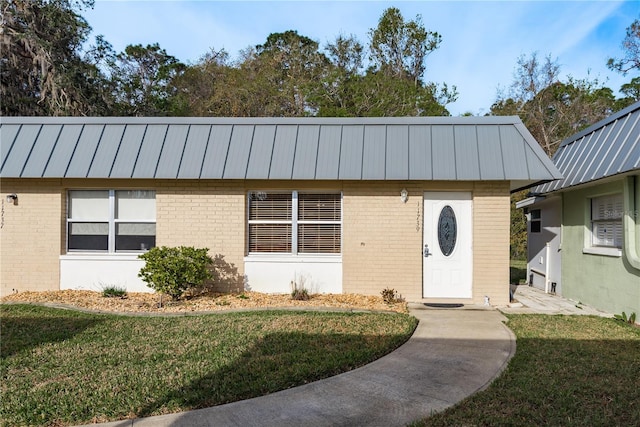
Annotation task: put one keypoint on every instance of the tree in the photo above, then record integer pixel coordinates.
(400, 48)
(143, 79)
(293, 65)
(42, 69)
(553, 110)
(631, 46)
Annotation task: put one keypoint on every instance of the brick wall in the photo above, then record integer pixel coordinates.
(382, 237)
(30, 237)
(491, 217)
(207, 214)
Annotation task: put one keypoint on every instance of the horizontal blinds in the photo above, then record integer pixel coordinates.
(269, 237)
(269, 206)
(319, 207)
(319, 238)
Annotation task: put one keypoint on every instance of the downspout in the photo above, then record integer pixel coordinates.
(631, 226)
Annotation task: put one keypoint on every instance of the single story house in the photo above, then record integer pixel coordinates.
(352, 205)
(584, 230)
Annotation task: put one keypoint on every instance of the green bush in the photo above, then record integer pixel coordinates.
(173, 270)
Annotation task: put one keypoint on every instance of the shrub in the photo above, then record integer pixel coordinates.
(114, 291)
(389, 296)
(173, 270)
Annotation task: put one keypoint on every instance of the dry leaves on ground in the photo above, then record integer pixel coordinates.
(149, 302)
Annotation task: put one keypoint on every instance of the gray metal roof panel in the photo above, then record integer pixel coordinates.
(125, 160)
(604, 149)
(328, 163)
(443, 152)
(374, 150)
(283, 152)
(466, 149)
(216, 155)
(106, 152)
(41, 151)
(8, 135)
(420, 159)
(416, 148)
(84, 152)
(63, 151)
(306, 155)
(397, 152)
(194, 150)
(351, 152)
(261, 152)
(172, 151)
(150, 149)
(515, 162)
(489, 153)
(19, 152)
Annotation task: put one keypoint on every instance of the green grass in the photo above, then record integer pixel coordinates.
(64, 367)
(567, 371)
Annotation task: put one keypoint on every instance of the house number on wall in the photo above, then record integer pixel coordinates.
(447, 230)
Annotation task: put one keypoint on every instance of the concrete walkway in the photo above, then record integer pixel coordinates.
(533, 300)
(452, 354)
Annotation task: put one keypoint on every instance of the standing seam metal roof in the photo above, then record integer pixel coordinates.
(607, 148)
(416, 148)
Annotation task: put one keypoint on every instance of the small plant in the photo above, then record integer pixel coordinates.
(242, 296)
(623, 318)
(173, 270)
(389, 296)
(300, 295)
(114, 291)
(298, 290)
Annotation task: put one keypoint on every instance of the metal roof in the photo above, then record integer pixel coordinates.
(410, 148)
(609, 147)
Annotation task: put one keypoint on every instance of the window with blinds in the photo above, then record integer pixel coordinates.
(111, 221)
(606, 221)
(293, 222)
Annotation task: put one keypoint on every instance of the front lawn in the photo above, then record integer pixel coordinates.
(567, 371)
(64, 367)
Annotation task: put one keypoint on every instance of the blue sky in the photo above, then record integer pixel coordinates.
(482, 40)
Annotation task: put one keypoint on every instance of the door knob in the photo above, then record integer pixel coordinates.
(426, 252)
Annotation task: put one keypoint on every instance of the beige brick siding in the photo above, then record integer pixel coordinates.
(382, 237)
(207, 214)
(30, 237)
(491, 242)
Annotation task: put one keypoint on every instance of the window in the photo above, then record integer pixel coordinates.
(606, 221)
(535, 221)
(293, 222)
(111, 220)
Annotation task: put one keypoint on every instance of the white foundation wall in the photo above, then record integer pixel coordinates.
(95, 272)
(275, 274)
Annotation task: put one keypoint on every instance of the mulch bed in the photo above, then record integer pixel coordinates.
(135, 302)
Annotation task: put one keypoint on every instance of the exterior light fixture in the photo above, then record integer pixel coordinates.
(404, 195)
(12, 198)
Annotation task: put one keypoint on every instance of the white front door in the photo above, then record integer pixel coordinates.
(447, 247)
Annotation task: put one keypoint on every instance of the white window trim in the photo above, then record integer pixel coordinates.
(294, 229)
(112, 221)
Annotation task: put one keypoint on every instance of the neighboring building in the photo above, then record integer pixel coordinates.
(343, 205)
(590, 218)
